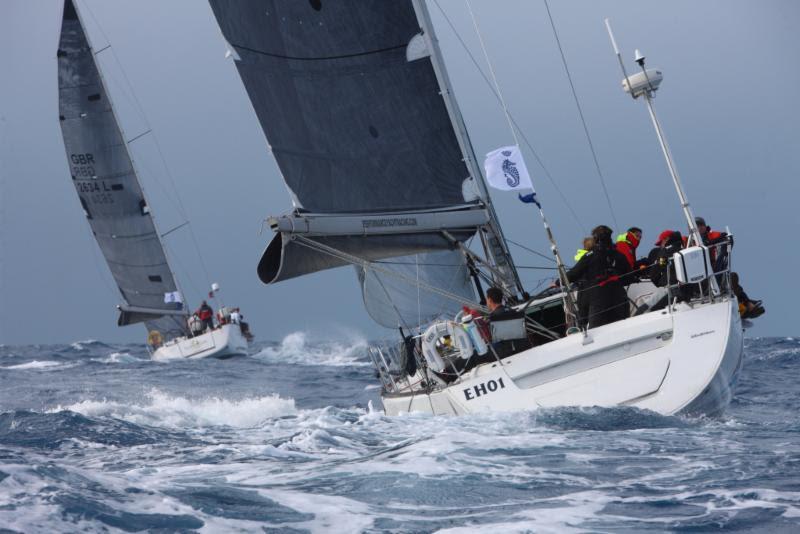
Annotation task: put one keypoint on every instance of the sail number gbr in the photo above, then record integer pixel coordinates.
(484, 388)
(82, 165)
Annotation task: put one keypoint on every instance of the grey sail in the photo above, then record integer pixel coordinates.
(351, 106)
(108, 189)
(393, 302)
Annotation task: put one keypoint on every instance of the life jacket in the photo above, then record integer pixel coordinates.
(626, 244)
(610, 271)
(204, 313)
(608, 279)
(581, 253)
(709, 239)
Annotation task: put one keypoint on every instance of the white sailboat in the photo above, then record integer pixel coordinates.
(119, 215)
(357, 108)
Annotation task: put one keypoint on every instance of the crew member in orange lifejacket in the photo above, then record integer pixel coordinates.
(206, 315)
(711, 238)
(627, 243)
(598, 273)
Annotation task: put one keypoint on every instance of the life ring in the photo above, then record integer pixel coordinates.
(461, 342)
(154, 338)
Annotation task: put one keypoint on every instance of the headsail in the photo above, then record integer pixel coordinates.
(108, 189)
(392, 301)
(351, 105)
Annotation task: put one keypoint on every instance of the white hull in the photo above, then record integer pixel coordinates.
(686, 361)
(223, 342)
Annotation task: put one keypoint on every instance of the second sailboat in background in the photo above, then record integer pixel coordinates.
(119, 215)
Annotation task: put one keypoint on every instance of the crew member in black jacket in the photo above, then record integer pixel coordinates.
(662, 271)
(598, 273)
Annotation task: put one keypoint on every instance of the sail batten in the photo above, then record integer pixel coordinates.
(108, 188)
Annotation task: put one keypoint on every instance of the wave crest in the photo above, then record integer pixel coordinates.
(165, 410)
(295, 349)
(35, 364)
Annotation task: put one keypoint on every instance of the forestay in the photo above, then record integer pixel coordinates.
(352, 109)
(108, 189)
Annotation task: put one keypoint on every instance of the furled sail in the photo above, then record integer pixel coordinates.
(348, 97)
(108, 189)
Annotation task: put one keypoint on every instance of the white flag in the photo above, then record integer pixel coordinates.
(506, 170)
(173, 296)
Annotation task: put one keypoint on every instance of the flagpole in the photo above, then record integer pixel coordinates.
(506, 170)
(570, 306)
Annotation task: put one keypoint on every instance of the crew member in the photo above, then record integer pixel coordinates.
(588, 243)
(500, 312)
(713, 240)
(598, 271)
(206, 315)
(748, 309)
(627, 244)
(662, 271)
(582, 300)
(494, 301)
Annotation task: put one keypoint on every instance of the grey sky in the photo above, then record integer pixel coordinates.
(728, 104)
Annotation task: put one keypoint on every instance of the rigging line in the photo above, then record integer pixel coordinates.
(384, 262)
(520, 245)
(491, 71)
(165, 234)
(516, 125)
(388, 296)
(129, 141)
(147, 170)
(355, 260)
(419, 296)
(536, 268)
(580, 112)
(143, 115)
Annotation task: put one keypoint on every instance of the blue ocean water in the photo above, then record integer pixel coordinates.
(96, 438)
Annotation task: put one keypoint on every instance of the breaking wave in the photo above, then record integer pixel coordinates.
(163, 410)
(296, 349)
(35, 364)
(118, 357)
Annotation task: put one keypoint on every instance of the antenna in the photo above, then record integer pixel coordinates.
(645, 84)
(616, 51)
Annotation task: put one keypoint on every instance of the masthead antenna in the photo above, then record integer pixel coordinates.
(645, 84)
(616, 51)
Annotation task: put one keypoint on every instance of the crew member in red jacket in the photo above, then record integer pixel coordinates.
(710, 238)
(206, 314)
(627, 244)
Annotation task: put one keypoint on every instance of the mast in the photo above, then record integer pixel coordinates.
(498, 248)
(125, 140)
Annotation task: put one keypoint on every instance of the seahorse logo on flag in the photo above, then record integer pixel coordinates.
(505, 169)
(510, 170)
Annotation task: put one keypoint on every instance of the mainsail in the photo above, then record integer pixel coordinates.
(108, 189)
(353, 108)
